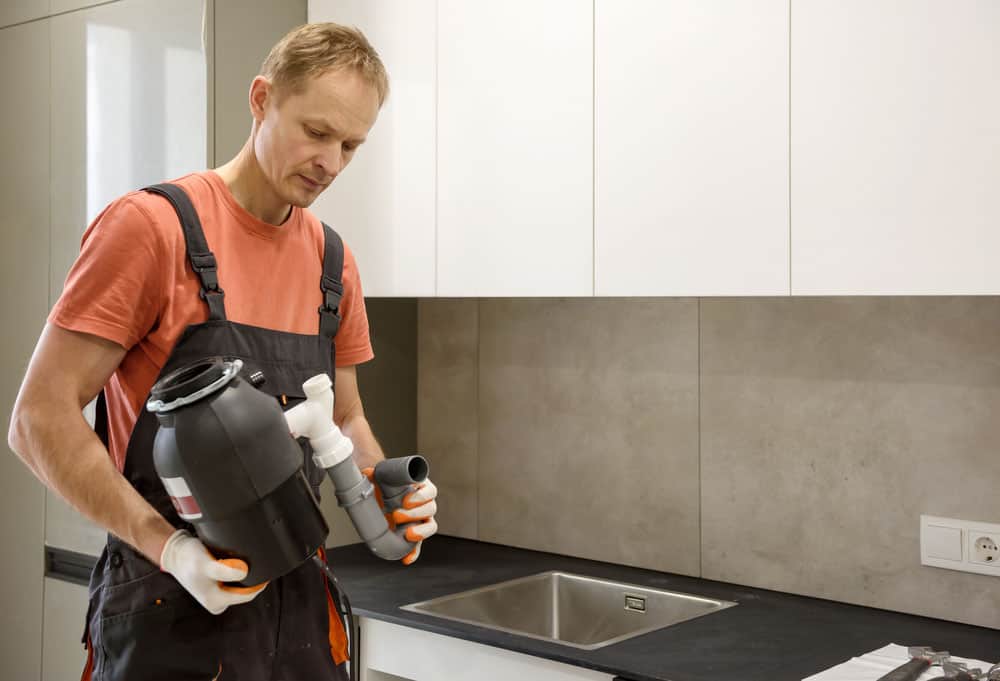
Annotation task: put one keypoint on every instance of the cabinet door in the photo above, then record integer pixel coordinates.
(17, 11)
(24, 243)
(62, 6)
(130, 108)
(895, 147)
(383, 203)
(63, 656)
(515, 148)
(691, 149)
(390, 652)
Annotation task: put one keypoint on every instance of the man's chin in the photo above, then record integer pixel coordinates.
(300, 199)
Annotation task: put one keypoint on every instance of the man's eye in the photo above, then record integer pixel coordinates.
(316, 133)
(350, 147)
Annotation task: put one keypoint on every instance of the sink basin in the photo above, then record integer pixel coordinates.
(573, 610)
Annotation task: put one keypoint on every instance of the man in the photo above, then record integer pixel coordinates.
(144, 297)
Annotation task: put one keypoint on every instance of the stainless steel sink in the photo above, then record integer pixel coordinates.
(573, 610)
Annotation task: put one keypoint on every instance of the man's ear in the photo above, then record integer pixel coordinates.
(261, 91)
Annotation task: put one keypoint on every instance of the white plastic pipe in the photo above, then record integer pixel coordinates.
(313, 419)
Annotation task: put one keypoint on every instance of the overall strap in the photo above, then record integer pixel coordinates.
(331, 283)
(202, 259)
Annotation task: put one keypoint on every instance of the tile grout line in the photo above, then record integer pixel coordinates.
(479, 430)
(701, 496)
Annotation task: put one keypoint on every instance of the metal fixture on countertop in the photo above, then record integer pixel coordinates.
(921, 658)
(573, 610)
(959, 671)
(635, 603)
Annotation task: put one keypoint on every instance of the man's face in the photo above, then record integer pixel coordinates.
(305, 139)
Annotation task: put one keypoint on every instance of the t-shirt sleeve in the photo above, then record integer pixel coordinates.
(114, 289)
(352, 342)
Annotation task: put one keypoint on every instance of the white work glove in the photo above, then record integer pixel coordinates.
(419, 508)
(198, 571)
(417, 513)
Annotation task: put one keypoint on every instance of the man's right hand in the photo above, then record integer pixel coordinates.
(198, 571)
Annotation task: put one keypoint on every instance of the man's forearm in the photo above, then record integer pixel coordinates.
(367, 451)
(66, 455)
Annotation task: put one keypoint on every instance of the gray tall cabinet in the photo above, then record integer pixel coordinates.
(101, 98)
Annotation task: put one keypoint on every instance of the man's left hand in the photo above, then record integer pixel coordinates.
(417, 510)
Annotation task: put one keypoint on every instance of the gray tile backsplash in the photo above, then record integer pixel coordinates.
(588, 421)
(829, 426)
(448, 408)
(785, 443)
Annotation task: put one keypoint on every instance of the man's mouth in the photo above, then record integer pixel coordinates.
(311, 183)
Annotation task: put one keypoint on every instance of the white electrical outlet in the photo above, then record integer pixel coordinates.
(983, 548)
(963, 545)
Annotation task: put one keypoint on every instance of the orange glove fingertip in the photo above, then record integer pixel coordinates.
(411, 557)
(235, 563)
(412, 535)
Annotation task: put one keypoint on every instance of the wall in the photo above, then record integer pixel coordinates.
(788, 444)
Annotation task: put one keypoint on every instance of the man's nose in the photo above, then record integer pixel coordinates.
(331, 161)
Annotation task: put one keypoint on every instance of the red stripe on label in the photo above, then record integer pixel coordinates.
(186, 506)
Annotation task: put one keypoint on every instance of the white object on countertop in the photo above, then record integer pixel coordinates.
(871, 666)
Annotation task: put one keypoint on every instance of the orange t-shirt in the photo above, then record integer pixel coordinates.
(132, 284)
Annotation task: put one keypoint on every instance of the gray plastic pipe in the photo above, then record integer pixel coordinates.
(313, 419)
(357, 495)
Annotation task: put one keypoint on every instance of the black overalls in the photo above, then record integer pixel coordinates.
(142, 624)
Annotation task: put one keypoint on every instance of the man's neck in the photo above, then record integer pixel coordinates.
(251, 189)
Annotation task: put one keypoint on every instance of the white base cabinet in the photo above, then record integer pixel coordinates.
(390, 652)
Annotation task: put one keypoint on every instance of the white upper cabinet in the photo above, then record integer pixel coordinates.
(515, 148)
(383, 203)
(895, 147)
(691, 147)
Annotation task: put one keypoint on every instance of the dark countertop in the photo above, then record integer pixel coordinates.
(770, 636)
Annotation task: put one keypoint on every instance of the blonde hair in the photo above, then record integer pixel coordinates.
(313, 49)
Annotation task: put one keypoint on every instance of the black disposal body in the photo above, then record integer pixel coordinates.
(233, 470)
